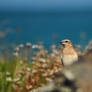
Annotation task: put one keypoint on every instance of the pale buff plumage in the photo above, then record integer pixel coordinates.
(69, 55)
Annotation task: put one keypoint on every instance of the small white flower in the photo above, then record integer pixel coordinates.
(9, 79)
(17, 79)
(28, 69)
(21, 46)
(29, 86)
(20, 71)
(35, 46)
(28, 44)
(15, 54)
(44, 65)
(48, 79)
(52, 55)
(34, 71)
(51, 72)
(42, 60)
(7, 73)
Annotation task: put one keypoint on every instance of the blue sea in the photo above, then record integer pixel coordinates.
(49, 27)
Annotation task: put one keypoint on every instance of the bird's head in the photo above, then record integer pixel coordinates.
(66, 43)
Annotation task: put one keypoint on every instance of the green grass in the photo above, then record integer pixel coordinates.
(8, 66)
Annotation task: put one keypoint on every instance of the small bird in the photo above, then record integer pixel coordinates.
(69, 55)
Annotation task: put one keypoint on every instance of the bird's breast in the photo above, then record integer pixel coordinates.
(69, 59)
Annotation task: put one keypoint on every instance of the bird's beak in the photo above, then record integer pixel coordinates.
(62, 44)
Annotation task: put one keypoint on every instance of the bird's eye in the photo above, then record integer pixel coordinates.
(66, 41)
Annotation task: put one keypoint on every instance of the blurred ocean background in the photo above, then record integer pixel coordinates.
(45, 26)
(48, 21)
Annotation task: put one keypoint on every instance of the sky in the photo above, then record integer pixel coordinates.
(44, 4)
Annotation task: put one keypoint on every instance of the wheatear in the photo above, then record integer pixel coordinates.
(69, 55)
